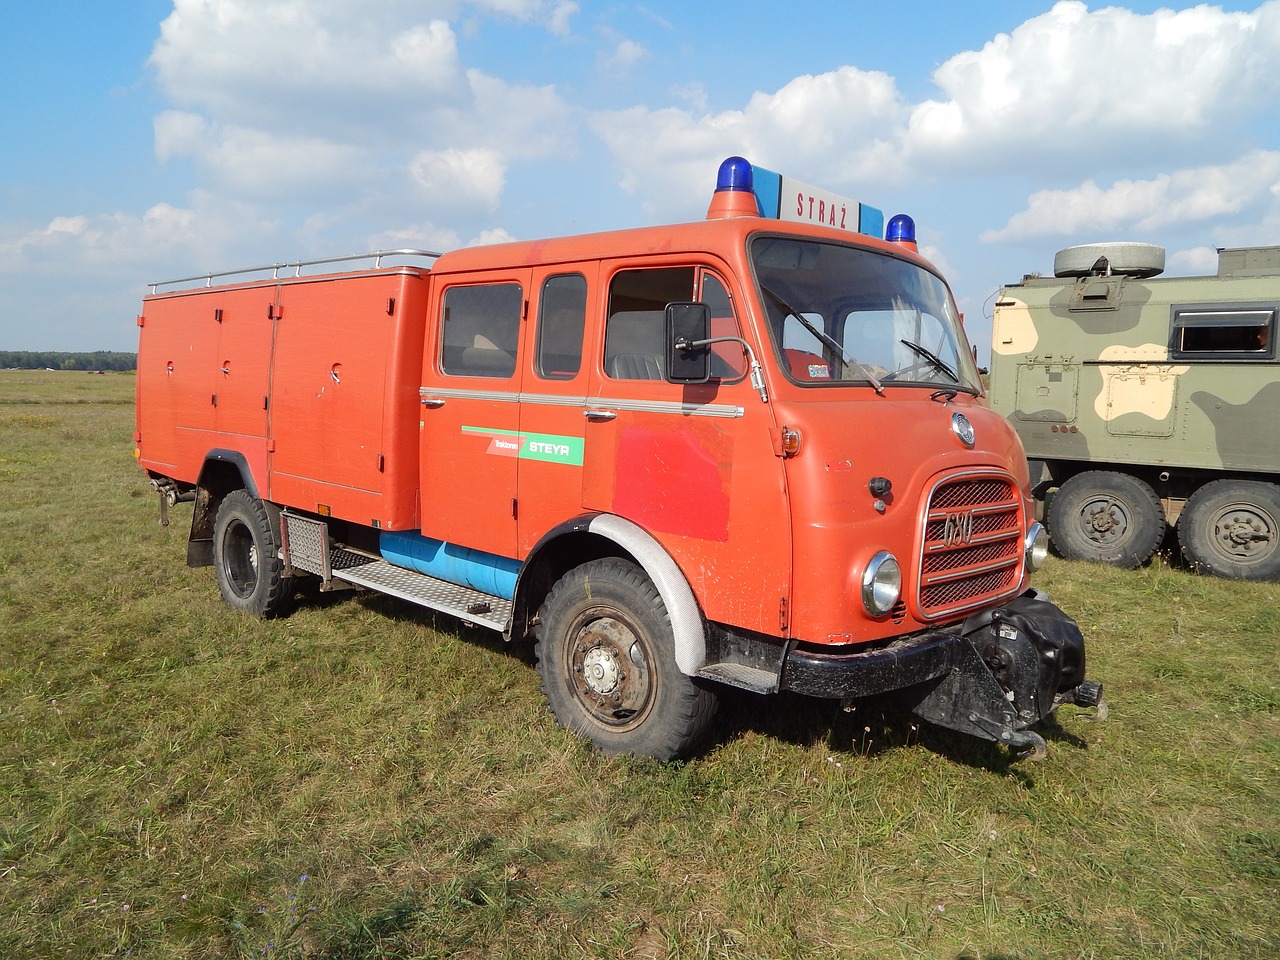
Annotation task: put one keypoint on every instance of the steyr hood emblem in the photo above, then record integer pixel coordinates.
(962, 428)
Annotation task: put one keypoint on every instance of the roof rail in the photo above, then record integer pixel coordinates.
(296, 266)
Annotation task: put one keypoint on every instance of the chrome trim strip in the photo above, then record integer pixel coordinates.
(951, 576)
(719, 410)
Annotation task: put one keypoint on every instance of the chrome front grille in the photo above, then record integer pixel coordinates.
(972, 552)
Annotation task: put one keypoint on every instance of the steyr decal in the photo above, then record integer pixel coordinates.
(546, 447)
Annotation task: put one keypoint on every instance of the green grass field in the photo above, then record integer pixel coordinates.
(365, 780)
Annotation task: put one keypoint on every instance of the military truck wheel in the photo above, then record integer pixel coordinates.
(1231, 528)
(246, 561)
(1106, 517)
(607, 662)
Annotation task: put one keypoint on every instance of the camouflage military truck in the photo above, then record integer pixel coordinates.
(1146, 402)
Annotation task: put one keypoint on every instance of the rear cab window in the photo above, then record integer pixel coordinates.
(481, 330)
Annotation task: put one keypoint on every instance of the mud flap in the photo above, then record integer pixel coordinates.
(1015, 665)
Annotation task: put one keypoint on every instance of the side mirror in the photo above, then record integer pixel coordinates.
(688, 327)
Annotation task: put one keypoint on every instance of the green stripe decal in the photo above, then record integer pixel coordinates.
(546, 447)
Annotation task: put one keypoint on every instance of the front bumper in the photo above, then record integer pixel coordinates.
(905, 663)
(993, 676)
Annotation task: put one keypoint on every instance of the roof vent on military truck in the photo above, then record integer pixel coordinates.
(1142, 260)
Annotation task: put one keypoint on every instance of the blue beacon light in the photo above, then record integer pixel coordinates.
(901, 229)
(735, 194)
(735, 174)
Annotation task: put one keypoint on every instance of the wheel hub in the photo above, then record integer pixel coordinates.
(601, 670)
(1104, 521)
(611, 675)
(1242, 532)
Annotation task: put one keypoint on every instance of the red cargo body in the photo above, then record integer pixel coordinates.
(314, 381)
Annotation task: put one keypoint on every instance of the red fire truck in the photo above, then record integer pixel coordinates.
(752, 450)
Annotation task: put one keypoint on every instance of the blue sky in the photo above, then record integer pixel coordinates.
(148, 140)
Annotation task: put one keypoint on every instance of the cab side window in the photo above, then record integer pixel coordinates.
(633, 333)
(481, 330)
(728, 360)
(562, 317)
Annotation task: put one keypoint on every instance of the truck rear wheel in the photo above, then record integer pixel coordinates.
(1231, 528)
(246, 561)
(606, 657)
(1106, 517)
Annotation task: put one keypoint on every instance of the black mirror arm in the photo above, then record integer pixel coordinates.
(757, 375)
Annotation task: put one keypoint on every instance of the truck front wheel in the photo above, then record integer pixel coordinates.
(606, 658)
(1231, 528)
(1106, 517)
(246, 561)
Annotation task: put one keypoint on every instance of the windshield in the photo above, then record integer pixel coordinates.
(843, 314)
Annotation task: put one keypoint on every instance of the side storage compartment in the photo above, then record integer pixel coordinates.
(203, 368)
(344, 398)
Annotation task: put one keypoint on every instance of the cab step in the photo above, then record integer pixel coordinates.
(748, 662)
(742, 676)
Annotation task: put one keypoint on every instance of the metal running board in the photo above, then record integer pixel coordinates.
(462, 602)
(741, 675)
(307, 547)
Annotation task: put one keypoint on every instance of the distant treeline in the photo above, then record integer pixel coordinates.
(98, 360)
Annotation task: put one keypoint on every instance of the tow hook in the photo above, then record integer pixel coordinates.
(1027, 745)
(169, 495)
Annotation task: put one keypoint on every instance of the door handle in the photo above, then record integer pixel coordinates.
(433, 403)
(600, 416)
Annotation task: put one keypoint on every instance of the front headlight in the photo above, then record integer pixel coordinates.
(881, 584)
(1037, 546)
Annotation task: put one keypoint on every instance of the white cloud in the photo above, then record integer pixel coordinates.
(1068, 93)
(1072, 85)
(624, 55)
(829, 126)
(553, 14)
(179, 133)
(288, 65)
(316, 100)
(453, 178)
(163, 234)
(423, 236)
(1196, 262)
(561, 13)
(488, 237)
(519, 120)
(1149, 206)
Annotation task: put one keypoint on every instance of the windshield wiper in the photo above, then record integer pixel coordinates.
(933, 358)
(825, 338)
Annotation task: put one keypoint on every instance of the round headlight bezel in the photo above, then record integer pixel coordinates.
(881, 584)
(1036, 546)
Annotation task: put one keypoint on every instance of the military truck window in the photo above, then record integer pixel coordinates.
(633, 333)
(481, 330)
(1237, 331)
(562, 316)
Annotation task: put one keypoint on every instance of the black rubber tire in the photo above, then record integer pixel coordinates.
(1231, 528)
(246, 557)
(1106, 517)
(606, 658)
